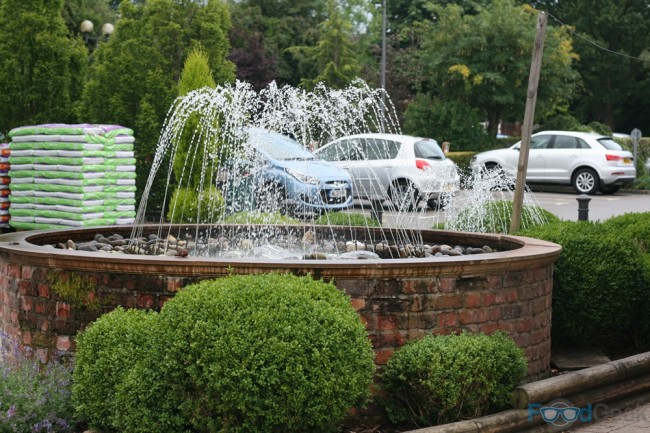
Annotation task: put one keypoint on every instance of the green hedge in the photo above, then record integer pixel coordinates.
(254, 353)
(346, 219)
(188, 206)
(600, 284)
(436, 380)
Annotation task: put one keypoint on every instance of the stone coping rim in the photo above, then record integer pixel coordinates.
(19, 247)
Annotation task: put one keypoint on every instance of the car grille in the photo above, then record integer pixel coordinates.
(326, 194)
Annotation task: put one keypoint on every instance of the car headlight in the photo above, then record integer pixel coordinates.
(302, 177)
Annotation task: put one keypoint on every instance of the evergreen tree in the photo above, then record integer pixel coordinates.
(41, 67)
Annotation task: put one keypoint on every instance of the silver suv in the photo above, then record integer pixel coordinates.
(401, 168)
(589, 162)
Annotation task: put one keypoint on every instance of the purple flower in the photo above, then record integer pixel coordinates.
(12, 411)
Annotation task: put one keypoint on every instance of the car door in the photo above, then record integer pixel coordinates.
(537, 157)
(379, 168)
(562, 156)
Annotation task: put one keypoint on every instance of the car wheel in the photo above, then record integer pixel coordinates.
(440, 203)
(403, 194)
(271, 198)
(585, 181)
(609, 189)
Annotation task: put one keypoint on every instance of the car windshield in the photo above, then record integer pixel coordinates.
(428, 149)
(609, 144)
(280, 147)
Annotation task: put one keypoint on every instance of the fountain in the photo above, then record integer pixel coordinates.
(401, 289)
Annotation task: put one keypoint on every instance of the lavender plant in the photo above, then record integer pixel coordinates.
(34, 396)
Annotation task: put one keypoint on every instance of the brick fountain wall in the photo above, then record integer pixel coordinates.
(398, 300)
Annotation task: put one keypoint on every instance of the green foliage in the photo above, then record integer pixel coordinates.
(452, 121)
(188, 206)
(436, 380)
(106, 351)
(78, 290)
(495, 217)
(483, 59)
(34, 397)
(599, 284)
(255, 353)
(333, 59)
(346, 219)
(566, 122)
(196, 74)
(41, 68)
(634, 226)
(255, 217)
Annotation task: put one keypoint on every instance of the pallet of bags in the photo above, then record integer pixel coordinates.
(72, 175)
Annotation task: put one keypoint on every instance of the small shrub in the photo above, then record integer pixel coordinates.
(189, 206)
(255, 217)
(635, 226)
(34, 397)
(436, 380)
(495, 217)
(251, 353)
(599, 284)
(346, 219)
(106, 351)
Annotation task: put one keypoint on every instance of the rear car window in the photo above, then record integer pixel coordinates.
(428, 149)
(609, 144)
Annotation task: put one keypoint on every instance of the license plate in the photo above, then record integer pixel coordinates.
(448, 187)
(337, 193)
(627, 161)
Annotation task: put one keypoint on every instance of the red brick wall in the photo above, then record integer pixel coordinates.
(395, 310)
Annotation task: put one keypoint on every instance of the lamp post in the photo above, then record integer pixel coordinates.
(91, 41)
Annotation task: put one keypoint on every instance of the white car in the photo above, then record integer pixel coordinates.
(587, 161)
(401, 168)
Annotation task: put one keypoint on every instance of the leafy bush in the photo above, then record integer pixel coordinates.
(346, 219)
(255, 217)
(436, 380)
(452, 121)
(599, 284)
(252, 353)
(34, 397)
(635, 226)
(495, 217)
(105, 351)
(189, 206)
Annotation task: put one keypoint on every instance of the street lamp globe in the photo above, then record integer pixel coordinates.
(107, 29)
(86, 26)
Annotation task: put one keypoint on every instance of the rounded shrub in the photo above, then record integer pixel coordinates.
(441, 379)
(255, 217)
(599, 283)
(106, 351)
(346, 219)
(252, 353)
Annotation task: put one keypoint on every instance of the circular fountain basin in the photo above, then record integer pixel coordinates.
(47, 295)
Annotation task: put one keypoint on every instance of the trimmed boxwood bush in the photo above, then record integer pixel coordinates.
(255, 217)
(105, 352)
(441, 379)
(599, 284)
(188, 206)
(252, 353)
(495, 217)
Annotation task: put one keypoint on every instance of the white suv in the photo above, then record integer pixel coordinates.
(589, 162)
(401, 168)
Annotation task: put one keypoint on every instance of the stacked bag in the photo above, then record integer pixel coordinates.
(4, 185)
(71, 176)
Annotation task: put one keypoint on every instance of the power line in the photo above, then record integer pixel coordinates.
(618, 53)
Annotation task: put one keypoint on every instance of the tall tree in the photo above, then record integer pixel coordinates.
(484, 60)
(41, 67)
(612, 36)
(133, 79)
(333, 59)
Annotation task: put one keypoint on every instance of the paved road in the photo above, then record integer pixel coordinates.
(564, 204)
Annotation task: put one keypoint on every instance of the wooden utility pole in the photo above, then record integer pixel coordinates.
(527, 127)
